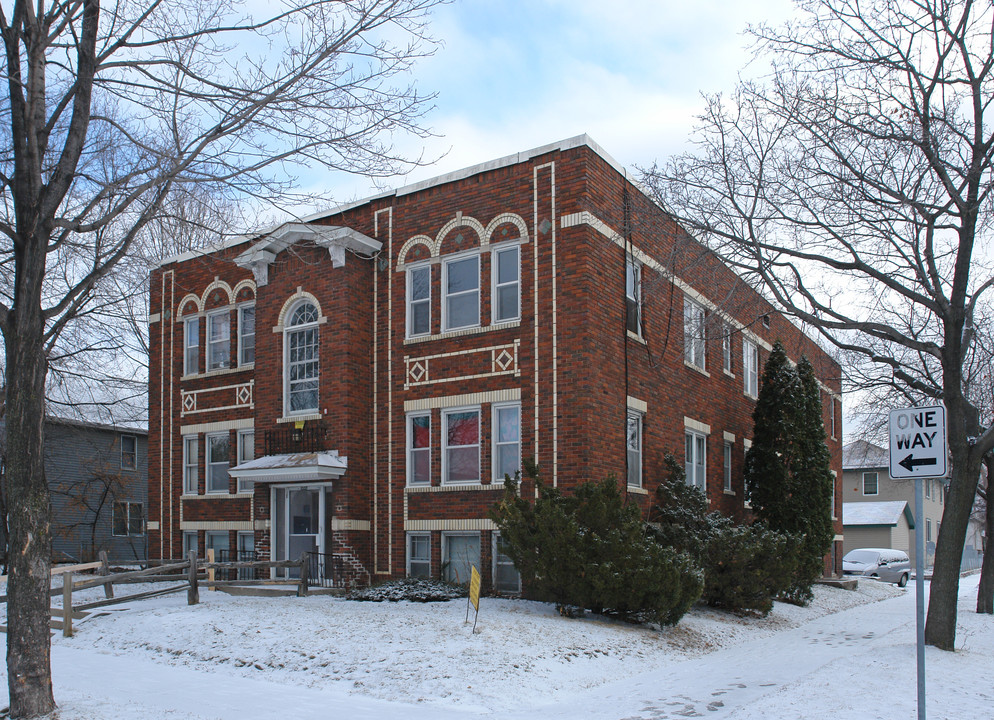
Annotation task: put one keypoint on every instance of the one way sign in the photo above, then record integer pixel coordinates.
(918, 442)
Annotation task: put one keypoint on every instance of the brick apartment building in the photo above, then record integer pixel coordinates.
(358, 383)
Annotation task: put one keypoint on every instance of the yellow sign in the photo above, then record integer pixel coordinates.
(474, 588)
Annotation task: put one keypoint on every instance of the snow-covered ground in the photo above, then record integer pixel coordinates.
(850, 655)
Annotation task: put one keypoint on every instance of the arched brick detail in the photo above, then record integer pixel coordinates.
(412, 243)
(218, 285)
(457, 222)
(244, 291)
(291, 301)
(507, 218)
(189, 305)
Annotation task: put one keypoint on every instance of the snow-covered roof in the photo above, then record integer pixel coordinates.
(293, 467)
(876, 513)
(862, 454)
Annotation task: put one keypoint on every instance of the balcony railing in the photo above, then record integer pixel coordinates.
(285, 440)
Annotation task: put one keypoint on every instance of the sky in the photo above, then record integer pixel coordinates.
(512, 75)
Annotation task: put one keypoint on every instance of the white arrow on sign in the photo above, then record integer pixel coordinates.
(918, 442)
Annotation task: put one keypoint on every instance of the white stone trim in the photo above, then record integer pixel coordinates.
(837, 538)
(342, 524)
(450, 525)
(450, 401)
(729, 437)
(452, 487)
(475, 330)
(216, 525)
(746, 443)
(241, 424)
(152, 525)
(639, 405)
(298, 418)
(696, 425)
(154, 318)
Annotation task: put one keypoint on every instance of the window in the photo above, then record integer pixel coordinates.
(693, 333)
(218, 453)
(726, 348)
(246, 335)
(507, 441)
(696, 451)
(459, 553)
(190, 465)
(191, 344)
(301, 360)
(728, 467)
(461, 450)
(506, 293)
(746, 445)
(419, 449)
(246, 453)
(461, 306)
(217, 540)
(928, 488)
(128, 518)
(218, 340)
(633, 295)
(419, 301)
(750, 368)
(246, 553)
(190, 543)
(633, 443)
(928, 530)
(418, 555)
(831, 405)
(870, 483)
(507, 579)
(129, 452)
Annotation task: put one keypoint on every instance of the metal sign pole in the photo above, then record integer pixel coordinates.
(920, 590)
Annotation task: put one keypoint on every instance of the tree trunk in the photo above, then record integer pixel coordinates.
(29, 675)
(940, 627)
(985, 593)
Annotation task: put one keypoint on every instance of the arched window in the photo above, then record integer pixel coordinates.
(300, 360)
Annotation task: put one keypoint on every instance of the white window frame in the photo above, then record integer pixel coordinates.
(726, 349)
(634, 455)
(446, 295)
(411, 302)
(694, 334)
(876, 484)
(302, 328)
(928, 529)
(191, 350)
(191, 541)
(409, 421)
(746, 445)
(495, 539)
(698, 459)
(133, 454)
(244, 484)
(191, 465)
(446, 539)
(444, 430)
(727, 466)
(498, 477)
(496, 285)
(223, 342)
(130, 509)
(208, 462)
(633, 294)
(242, 335)
(750, 368)
(410, 555)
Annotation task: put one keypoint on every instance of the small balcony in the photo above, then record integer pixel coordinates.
(285, 440)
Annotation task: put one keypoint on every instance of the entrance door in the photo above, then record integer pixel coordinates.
(303, 524)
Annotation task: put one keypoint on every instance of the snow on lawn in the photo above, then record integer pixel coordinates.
(244, 658)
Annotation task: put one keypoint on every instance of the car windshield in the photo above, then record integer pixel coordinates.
(867, 557)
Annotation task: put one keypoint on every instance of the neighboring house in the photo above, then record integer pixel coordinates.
(866, 479)
(359, 384)
(98, 484)
(884, 524)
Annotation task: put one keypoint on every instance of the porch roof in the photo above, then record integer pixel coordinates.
(293, 467)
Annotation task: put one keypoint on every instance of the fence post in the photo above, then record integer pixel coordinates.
(67, 604)
(305, 569)
(193, 594)
(105, 570)
(210, 570)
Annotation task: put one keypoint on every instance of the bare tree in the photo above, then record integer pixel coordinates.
(853, 185)
(111, 109)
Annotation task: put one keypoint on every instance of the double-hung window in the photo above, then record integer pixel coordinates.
(633, 445)
(461, 446)
(506, 299)
(419, 301)
(191, 346)
(693, 333)
(633, 295)
(418, 555)
(419, 448)
(218, 340)
(870, 486)
(461, 283)
(728, 467)
(507, 441)
(696, 446)
(301, 360)
(507, 579)
(190, 465)
(218, 454)
(726, 348)
(190, 543)
(750, 368)
(246, 453)
(127, 518)
(246, 335)
(129, 452)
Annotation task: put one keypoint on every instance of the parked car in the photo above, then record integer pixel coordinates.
(880, 563)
